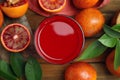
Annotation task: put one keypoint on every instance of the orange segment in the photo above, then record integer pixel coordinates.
(15, 37)
(52, 5)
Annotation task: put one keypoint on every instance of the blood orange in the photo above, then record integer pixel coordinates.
(110, 64)
(15, 37)
(80, 71)
(84, 3)
(52, 5)
(15, 8)
(91, 20)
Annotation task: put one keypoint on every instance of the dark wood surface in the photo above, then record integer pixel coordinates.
(56, 72)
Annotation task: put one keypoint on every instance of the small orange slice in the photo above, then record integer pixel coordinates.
(52, 5)
(15, 37)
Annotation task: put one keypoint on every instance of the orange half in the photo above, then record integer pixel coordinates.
(15, 12)
(52, 5)
(15, 37)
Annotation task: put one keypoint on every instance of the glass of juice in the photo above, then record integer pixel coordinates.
(59, 39)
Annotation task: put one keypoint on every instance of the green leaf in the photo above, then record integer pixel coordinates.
(33, 70)
(108, 41)
(6, 72)
(116, 27)
(117, 56)
(95, 49)
(17, 63)
(112, 33)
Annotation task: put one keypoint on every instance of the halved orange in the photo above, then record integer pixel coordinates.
(52, 5)
(15, 37)
(17, 10)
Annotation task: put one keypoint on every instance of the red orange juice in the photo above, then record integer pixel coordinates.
(59, 39)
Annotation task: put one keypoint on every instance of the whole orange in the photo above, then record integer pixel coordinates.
(80, 71)
(17, 10)
(91, 21)
(84, 3)
(1, 18)
(110, 64)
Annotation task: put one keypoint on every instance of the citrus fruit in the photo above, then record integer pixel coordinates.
(80, 71)
(110, 64)
(84, 3)
(1, 18)
(15, 10)
(52, 5)
(15, 37)
(91, 21)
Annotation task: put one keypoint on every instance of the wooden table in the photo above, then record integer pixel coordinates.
(56, 72)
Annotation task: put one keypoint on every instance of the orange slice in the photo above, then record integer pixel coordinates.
(52, 5)
(15, 37)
